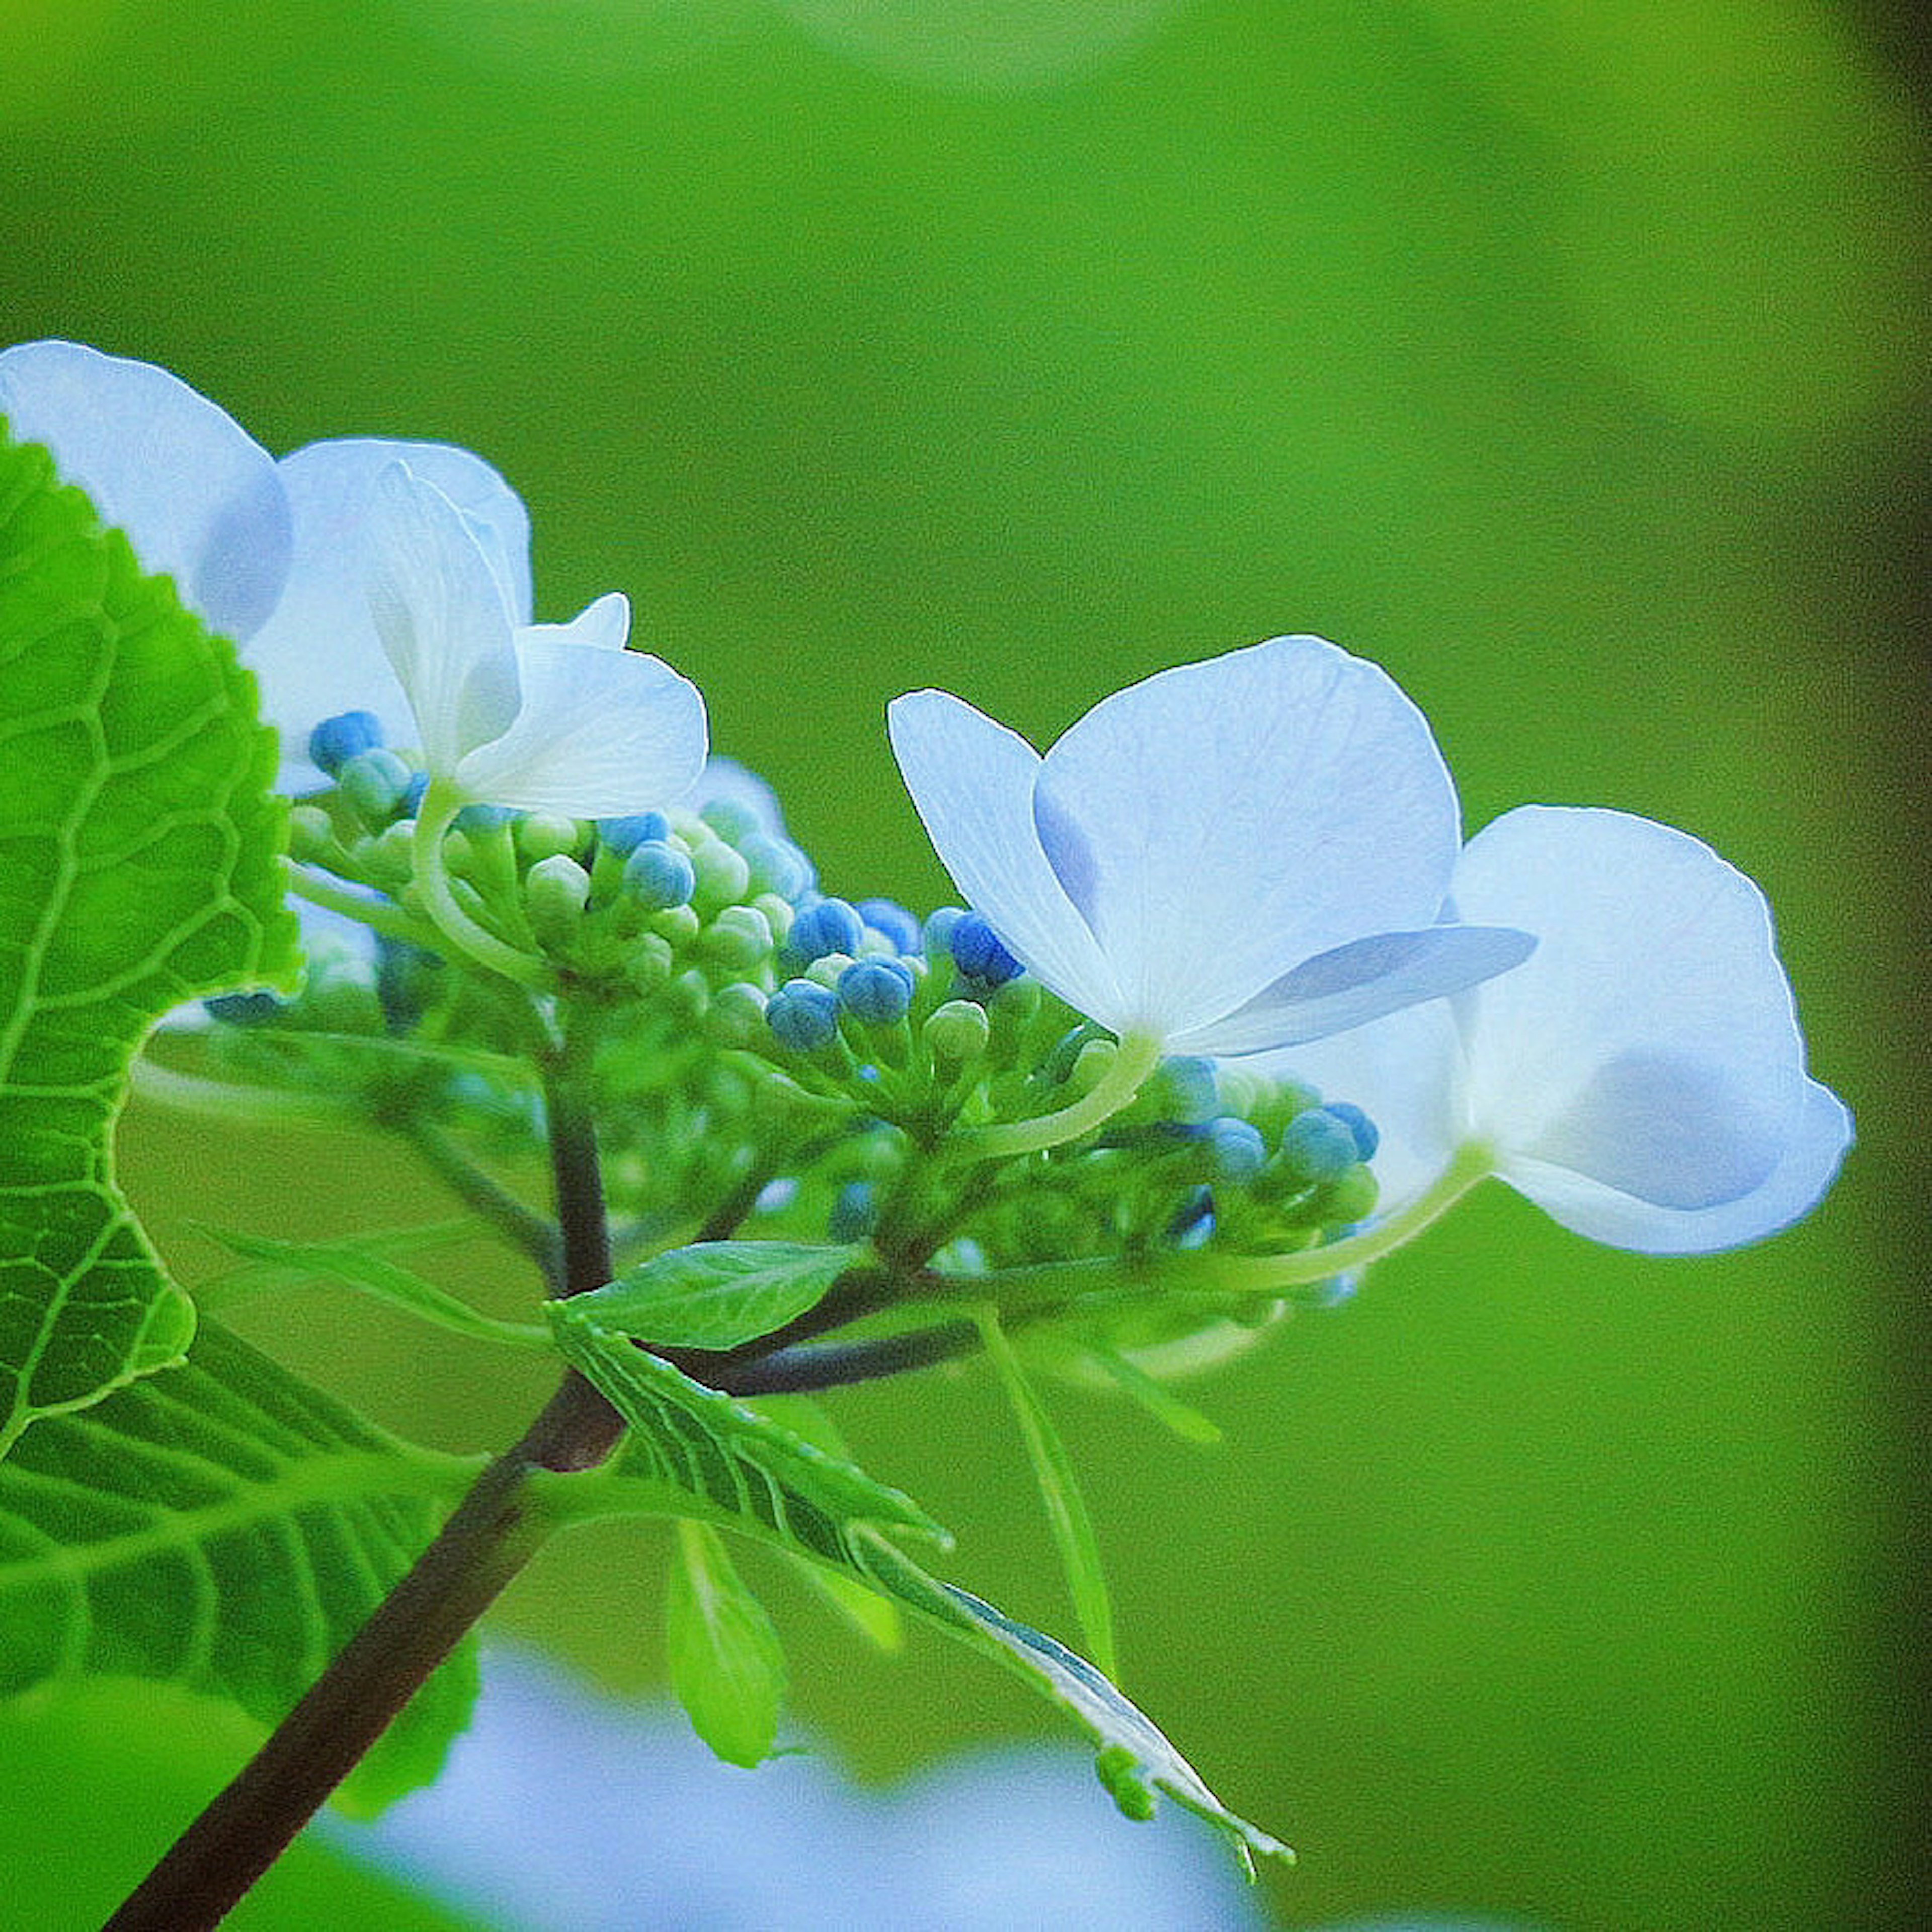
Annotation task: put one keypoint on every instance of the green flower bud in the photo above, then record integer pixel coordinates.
(647, 965)
(556, 892)
(737, 1015)
(546, 834)
(737, 939)
(1095, 1057)
(956, 1032)
(390, 856)
(824, 972)
(723, 876)
(678, 925)
(311, 836)
(779, 913)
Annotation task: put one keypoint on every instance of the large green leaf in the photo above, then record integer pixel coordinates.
(139, 866)
(226, 1527)
(692, 1450)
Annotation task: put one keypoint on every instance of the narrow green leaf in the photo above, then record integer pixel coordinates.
(140, 854)
(727, 1664)
(715, 1294)
(356, 1264)
(1156, 1397)
(697, 1442)
(876, 1617)
(226, 1527)
(1060, 1490)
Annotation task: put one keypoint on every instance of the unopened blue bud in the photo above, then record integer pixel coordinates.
(935, 935)
(825, 925)
(877, 991)
(977, 952)
(336, 740)
(413, 793)
(1319, 1145)
(730, 818)
(244, 1009)
(402, 972)
(803, 1017)
(624, 836)
(853, 1215)
(1368, 1138)
(658, 876)
(891, 920)
(1236, 1148)
(374, 782)
(1183, 1089)
(777, 865)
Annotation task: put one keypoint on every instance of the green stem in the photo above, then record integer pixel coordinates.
(378, 915)
(1137, 1056)
(440, 804)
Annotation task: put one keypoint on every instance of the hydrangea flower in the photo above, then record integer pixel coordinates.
(1641, 1078)
(1227, 857)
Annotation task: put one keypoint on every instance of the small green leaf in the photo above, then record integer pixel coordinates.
(139, 866)
(357, 1264)
(727, 1664)
(715, 1294)
(1060, 1490)
(1160, 1401)
(226, 1527)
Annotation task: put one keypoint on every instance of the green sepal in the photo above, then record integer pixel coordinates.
(716, 1294)
(727, 1664)
(226, 1528)
(139, 866)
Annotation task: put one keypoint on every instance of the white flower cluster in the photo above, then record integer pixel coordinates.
(1259, 855)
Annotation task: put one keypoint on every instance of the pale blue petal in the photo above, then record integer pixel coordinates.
(1221, 822)
(601, 733)
(972, 781)
(319, 654)
(439, 611)
(1351, 985)
(603, 626)
(198, 497)
(1649, 1049)
(1808, 1161)
(725, 781)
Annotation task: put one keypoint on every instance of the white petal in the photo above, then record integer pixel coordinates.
(972, 781)
(603, 626)
(439, 613)
(1649, 1045)
(1219, 823)
(1806, 1164)
(198, 497)
(725, 781)
(1405, 1072)
(319, 654)
(602, 733)
(1350, 985)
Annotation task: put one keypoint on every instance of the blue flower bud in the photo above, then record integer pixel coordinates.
(624, 836)
(374, 782)
(244, 1009)
(336, 740)
(730, 818)
(1182, 1088)
(891, 921)
(413, 793)
(802, 1017)
(402, 972)
(977, 952)
(481, 818)
(658, 876)
(877, 991)
(935, 936)
(1236, 1148)
(1319, 1145)
(825, 925)
(853, 1215)
(777, 865)
(1368, 1137)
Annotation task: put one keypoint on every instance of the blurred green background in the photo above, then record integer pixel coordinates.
(1565, 356)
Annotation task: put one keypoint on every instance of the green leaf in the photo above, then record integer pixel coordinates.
(715, 1294)
(727, 1664)
(139, 866)
(226, 1528)
(689, 1442)
(874, 1617)
(358, 1263)
(692, 1440)
(1060, 1490)
(1133, 1758)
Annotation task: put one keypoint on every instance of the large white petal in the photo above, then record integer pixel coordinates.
(1809, 1160)
(439, 610)
(602, 733)
(1219, 823)
(319, 654)
(1650, 1045)
(198, 497)
(972, 781)
(1351, 985)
